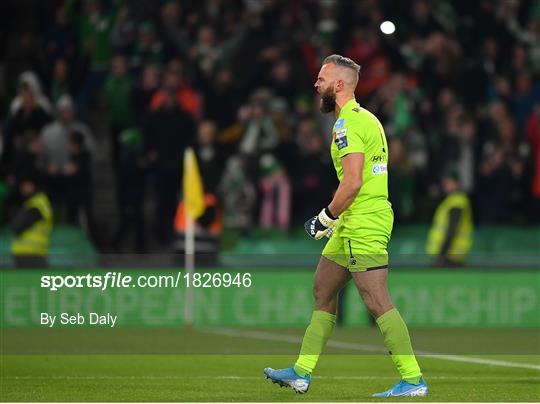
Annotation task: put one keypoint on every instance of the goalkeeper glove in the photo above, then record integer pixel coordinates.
(321, 225)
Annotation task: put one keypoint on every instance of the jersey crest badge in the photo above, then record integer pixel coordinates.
(340, 123)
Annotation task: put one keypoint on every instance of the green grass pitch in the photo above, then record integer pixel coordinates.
(164, 370)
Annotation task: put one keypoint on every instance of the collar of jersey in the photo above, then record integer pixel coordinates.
(349, 105)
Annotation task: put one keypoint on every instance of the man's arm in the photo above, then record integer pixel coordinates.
(353, 164)
(453, 221)
(349, 140)
(24, 220)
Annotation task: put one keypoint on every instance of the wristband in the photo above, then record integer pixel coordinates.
(329, 214)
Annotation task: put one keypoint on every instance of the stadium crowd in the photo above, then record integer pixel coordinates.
(456, 87)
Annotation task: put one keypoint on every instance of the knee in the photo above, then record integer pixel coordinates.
(323, 299)
(377, 307)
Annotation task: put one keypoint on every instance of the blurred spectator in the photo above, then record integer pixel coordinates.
(60, 40)
(95, 26)
(282, 81)
(282, 120)
(56, 150)
(145, 90)
(286, 150)
(211, 53)
(223, 98)
(206, 52)
(147, 49)
(363, 45)
(28, 157)
(524, 99)
(491, 57)
(260, 134)
(30, 109)
(364, 48)
(174, 81)
(519, 61)
(238, 195)
(2, 150)
(118, 94)
(401, 184)
(423, 22)
(499, 89)
(172, 30)
(29, 112)
(32, 225)
(211, 162)
(131, 191)
(55, 136)
(61, 80)
(499, 173)
(276, 194)
(394, 102)
(450, 237)
(314, 178)
(530, 35)
(533, 135)
(4, 192)
(444, 54)
(123, 31)
(466, 161)
(78, 184)
(456, 147)
(168, 130)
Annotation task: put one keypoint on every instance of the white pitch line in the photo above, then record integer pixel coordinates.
(232, 377)
(369, 348)
(488, 378)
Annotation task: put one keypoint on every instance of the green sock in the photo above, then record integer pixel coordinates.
(398, 342)
(317, 333)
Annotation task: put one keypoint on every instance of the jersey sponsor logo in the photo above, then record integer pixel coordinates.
(341, 138)
(379, 158)
(340, 123)
(380, 168)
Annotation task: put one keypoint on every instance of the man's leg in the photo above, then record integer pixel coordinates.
(330, 278)
(331, 275)
(373, 288)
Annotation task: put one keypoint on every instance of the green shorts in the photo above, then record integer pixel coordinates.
(359, 243)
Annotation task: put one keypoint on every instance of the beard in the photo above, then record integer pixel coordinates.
(328, 101)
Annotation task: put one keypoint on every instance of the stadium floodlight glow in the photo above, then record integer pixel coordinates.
(388, 27)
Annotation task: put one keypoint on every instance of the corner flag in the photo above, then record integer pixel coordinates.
(193, 186)
(194, 205)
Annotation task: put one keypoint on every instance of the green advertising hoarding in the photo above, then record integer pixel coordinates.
(273, 299)
(281, 298)
(459, 298)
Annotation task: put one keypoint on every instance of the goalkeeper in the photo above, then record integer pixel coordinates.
(358, 222)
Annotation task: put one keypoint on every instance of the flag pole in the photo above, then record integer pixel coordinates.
(190, 269)
(194, 208)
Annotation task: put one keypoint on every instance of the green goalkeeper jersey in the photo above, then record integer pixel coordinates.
(358, 131)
